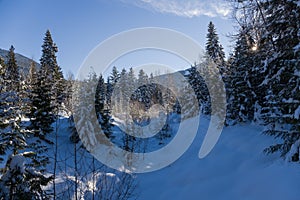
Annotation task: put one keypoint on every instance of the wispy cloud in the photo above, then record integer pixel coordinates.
(186, 8)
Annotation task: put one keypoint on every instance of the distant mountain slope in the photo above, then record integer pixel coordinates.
(22, 61)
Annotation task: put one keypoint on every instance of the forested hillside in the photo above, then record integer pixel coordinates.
(37, 106)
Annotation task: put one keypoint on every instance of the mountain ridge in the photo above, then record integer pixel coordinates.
(23, 62)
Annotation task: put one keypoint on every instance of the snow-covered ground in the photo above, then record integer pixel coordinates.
(236, 169)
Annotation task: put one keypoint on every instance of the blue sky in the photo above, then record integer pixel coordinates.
(78, 26)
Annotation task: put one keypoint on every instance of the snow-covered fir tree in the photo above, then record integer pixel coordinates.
(47, 89)
(199, 86)
(143, 89)
(12, 75)
(240, 92)
(273, 28)
(214, 50)
(111, 87)
(19, 179)
(281, 113)
(100, 95)
(2, 103)
(102, 110)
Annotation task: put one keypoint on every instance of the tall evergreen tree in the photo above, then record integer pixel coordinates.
(41, 109)
(12, 135)
(52, 70)
(102, 111)
(45, 101)
(2, 103)
(198, 84)
(58, 89)
(281, 112)
(109, 90)
(48, 60)
(143, 92)
(214, 49)
(12, 71)
(47, 90)
(274, 27)
(100, 96)
(115, 76)
(19, 180)
(241, 95)
(111, 86)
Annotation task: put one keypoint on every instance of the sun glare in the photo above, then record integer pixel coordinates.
(254, 48)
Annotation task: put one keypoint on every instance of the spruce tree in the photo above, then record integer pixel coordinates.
(281, 112)
(143, 89)
(2, 104)
(12, 134)
(58, 90)
(20, 180)
(100, 96)
(41, 109)
(111, 88)
(215, 56)
(48, 60)
(241, 95)
(45, 100)
(115, 75)
(102, 111)
(214, 49)
(47, 90)
(12, 71)
(198, 84)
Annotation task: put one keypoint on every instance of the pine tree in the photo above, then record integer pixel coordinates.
(12, 71)
(250, 17)
(214, 58)
(52, 70)
(214, 49)
(274, 27)
(12, 135)
(115, 75)
(142, 78)
(121, 92)
(100, 96)
(131, 79)
(47, 90)
(282, 80)
(41, 109)
(19, 180)
(112, 89)
(27, 88)
(58, 89)
(143, 89)
(198, 84)
(2, 103)
(45, 101)
(48, 60)
(102, 112)
(241, 95)
(109, 90)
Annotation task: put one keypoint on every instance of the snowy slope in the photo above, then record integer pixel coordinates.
(235, 169)
(91, 174)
